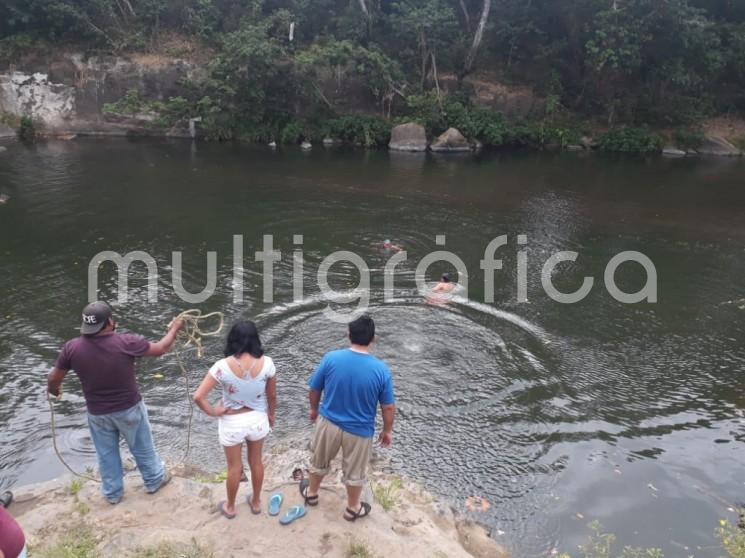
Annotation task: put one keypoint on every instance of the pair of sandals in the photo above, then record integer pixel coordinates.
(275, 502)
(349, 513)
(226, 514)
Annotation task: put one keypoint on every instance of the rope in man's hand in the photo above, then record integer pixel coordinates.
(190, 334)
(53, 424)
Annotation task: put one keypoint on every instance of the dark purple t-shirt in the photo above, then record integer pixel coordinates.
(105, 364)
(12, 540)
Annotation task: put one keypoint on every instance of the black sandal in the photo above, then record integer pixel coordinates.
(6, 499)
(364, 511)
(309, 500)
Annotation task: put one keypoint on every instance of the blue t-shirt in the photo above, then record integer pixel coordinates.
(352, 384)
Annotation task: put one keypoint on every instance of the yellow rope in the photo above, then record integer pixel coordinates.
(190, 335)
(54, 441)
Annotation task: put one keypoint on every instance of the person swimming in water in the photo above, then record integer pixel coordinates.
(440, 293)
(388, 245)
(445, 285)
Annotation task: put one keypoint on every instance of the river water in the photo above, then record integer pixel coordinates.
(631, 414)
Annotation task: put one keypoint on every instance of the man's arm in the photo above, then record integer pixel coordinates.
(315, 399)
(164, 345)
(389, 414)
(54, 380)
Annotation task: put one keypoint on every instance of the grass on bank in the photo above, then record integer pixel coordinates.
(80, 542)
(207, 478)
(387, 494)
(77, 542)
(172, 550)
(358, 549)
(74, 487)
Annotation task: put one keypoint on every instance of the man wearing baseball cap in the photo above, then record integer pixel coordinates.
(104, 361)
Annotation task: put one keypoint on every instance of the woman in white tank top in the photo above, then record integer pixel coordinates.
(246, 412)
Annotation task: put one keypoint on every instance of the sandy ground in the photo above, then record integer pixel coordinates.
(416, 526)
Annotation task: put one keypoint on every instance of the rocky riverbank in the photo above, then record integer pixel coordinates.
(68, 517)
(70, 94)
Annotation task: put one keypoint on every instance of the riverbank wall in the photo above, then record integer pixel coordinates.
(73, 93)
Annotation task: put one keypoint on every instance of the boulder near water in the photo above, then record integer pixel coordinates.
(450, 140)
(671, 151)
(718, 146)
(408, 137)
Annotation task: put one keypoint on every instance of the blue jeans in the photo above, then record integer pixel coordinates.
(134, 426)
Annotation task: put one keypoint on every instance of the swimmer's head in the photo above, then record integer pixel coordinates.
(446, 278)
(387, 242)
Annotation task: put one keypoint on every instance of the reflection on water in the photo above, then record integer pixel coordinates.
(631, 414)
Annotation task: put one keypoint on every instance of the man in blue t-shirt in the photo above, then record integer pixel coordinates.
(353, 382)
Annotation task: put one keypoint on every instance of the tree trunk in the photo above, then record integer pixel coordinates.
(364, 9)
(437, 81)
(466, 16)
(425, 55)
(129, 6)
(478, 36)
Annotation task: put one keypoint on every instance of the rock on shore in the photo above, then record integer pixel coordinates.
(450, 140)
(184, 512)
(719, 147)
(408, 137)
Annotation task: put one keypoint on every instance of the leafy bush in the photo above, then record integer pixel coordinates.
(11, 48)
(292, 132)
(130, 104)
(165, 113)
(368, 131)
(438, 114)
(427, 110)
(688, 138)
(27, 129)
(630, 140)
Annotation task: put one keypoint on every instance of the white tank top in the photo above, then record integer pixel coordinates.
(243, 392)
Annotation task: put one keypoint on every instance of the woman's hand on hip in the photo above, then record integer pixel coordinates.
(218, 410)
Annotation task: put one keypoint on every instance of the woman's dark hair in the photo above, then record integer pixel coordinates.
(446, 278)
(362, 330)
(244, 338)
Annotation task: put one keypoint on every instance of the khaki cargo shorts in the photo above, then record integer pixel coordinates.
(355, 450)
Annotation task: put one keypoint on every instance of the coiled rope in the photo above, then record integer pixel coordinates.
(190, 335)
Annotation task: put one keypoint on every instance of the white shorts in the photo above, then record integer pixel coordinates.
(251, 426)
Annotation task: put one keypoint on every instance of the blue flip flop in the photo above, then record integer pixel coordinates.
(275, 502)
(295, 512)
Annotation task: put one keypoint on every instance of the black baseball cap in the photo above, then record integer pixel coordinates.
(95, 316)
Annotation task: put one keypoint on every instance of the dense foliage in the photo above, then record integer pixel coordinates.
(620, 62)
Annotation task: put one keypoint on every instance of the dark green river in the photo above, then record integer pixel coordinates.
(557, 414)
